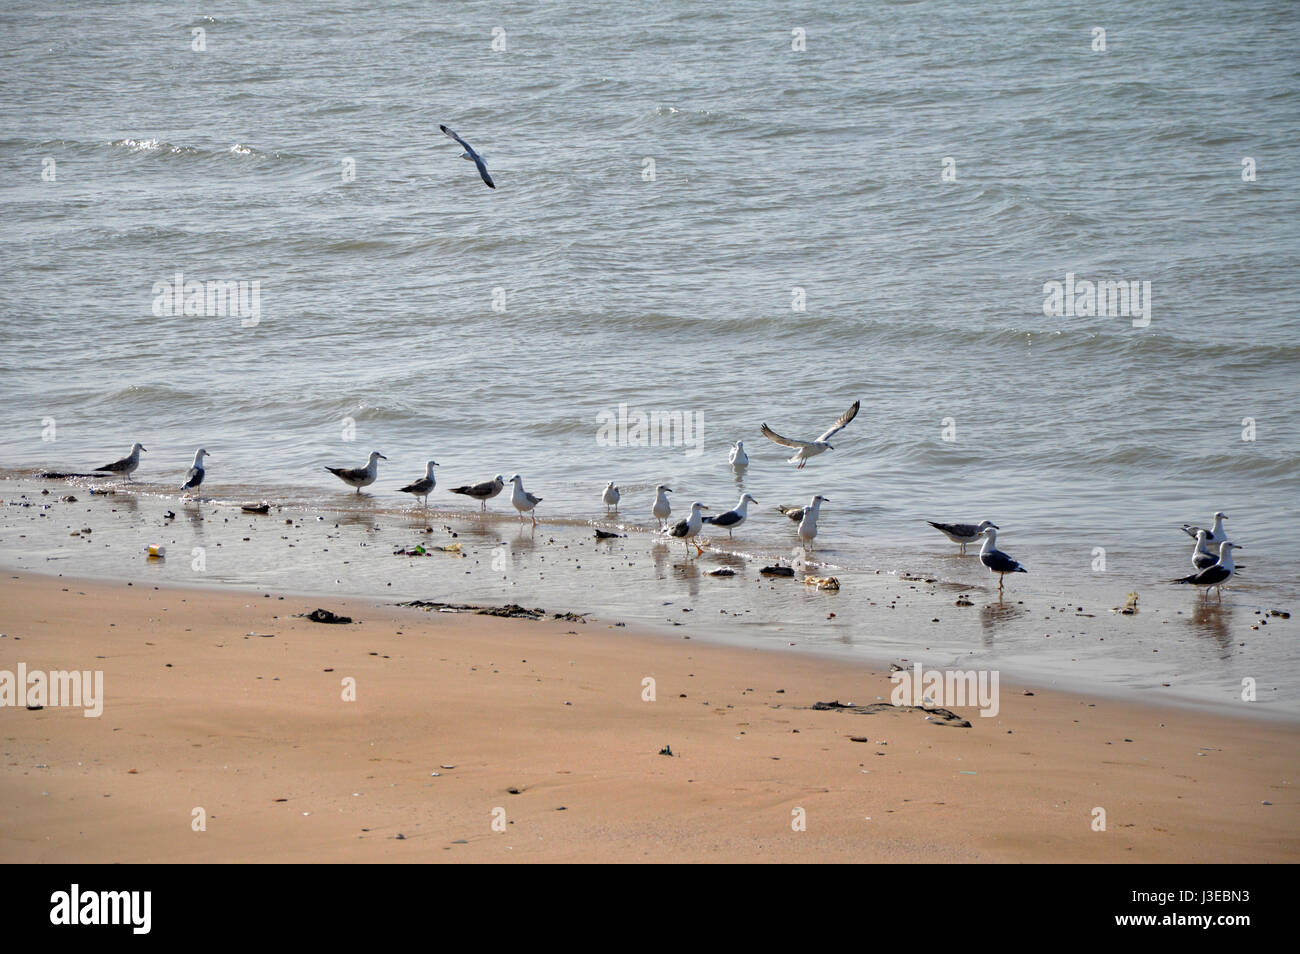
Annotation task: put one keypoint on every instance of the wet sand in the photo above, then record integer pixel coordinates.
(223, 701)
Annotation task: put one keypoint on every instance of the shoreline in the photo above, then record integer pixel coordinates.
(554, 710)
(1176, 649)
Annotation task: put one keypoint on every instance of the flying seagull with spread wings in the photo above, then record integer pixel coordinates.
(807, 449)
(470, 153)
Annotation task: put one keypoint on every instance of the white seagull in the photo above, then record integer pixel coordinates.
(733, 518)
(997, 561)
(807, 449)
(1215, 535)
(127, 465)
(196, 473)
(482, 492)
(689, 528)
(1202, 557)
(523, 501)
(1215, 575)
(359, 477)
(662, 508)
(424, 485)
(611, 496)
(470, 153)
(808, 522)
(737, 457)
(963, 533)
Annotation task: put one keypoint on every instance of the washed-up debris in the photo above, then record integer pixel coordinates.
(67, 498)
(1130, 607)
(607, 535)
(421, 550)
(324, 616)
(822, 582)
(937, 716)
(262, 507)
(1281, 614)
(666, 750)
(61, 475)
(156, 551)
(777, 570)
(509, 611)
(722, 571)
(962, 601)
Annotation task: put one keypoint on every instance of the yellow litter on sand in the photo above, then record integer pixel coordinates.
(450, 548)
(823, 582)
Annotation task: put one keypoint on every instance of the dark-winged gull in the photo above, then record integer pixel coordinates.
(688, 528)
(807, 449)
(737, 457)
(471, 154)
(127, 465)
(196, 472)
(359, 477)
(662, 508)
(523, 501)
(808, 523)
(1216, 535)
(963, 533)
(997, 561)
(1215, 575)
(482, 492)
(423, 486)
(611, 496)
(735, 517)
(1202, 557)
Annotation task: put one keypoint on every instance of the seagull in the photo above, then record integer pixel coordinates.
(733, 518)
(662, 509)
(794, 513)
(1215, 535)
(997, 561)
(424, 485)
(359, 477)
(738, 459)
(522, 499)
(688, 528)
(611, 496)
(195, 476)
(469, 153)
(127, 465)
(812, 448)
(963, 533)
(808, 522)
(482, 492)
(1215, 575)
(1202, 557)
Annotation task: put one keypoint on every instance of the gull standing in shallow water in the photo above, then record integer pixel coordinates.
(1202, 557)
(808, 523)
(482, 492)
(733, 518)
(1216, 575)
(807, 449)
(523, 501)
(997, 561)
(963, 533)
(470, 154)
(662, 508)
(359, 477)
(424, 485)
(611, 496)
(737, 457)
(1215, 535)
(689, 528)
(127, 465)
(196, 473)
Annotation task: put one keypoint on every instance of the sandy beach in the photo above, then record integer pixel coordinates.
(230, 704)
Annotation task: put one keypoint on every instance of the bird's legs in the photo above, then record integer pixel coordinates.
(1001, 579)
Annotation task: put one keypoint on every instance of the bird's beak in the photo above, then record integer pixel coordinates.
(668, 490)
(382, 457)
(994, 526)
(829, 447)
(144, 448)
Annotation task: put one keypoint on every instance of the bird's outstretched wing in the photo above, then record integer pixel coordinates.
(844, 419)
(776, 438)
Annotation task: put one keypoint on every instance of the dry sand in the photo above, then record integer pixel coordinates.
(545, 720)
